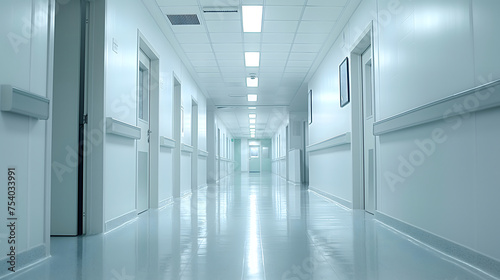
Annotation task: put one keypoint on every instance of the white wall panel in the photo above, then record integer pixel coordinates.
(426, 53)
(486, 43)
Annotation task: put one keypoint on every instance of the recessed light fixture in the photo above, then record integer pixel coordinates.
(252, 130)
(252, 120)
(252, 82)
(252, 97)
(252, 59)
(252, 108)
(252, 126)
(252, 116)
(252, 136)
(252, 18)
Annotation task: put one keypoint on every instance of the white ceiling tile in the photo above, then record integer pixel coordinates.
(177, 2)
(299, 63)
(313, 48)
(180, 10)
(188, 28)
(189, 48)
(276, 47)
(270, 38)
(229, 55)
(315, 26)
(286, 2)
(322, 13)
(204, 69)
(230, 63)
(222, 16)
(337, 3)
(232, 72)
(252, 38)
(289, 69)
(226, 38)
(302, 56)
(204, 63)
(200, 56)
(282, 12)
(227, 48)
(280, 26)
(192, 38)
(209, 75)
(273, 62)
(272, 69)
(219, 3)
(304, 38)
(252, 47)
(274, 55)
(224, 26)
(294, 75)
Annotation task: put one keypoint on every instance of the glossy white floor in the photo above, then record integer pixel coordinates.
(248, 227)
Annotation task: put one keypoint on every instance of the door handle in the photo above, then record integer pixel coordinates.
(149, 134)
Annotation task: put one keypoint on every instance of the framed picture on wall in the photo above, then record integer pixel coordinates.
(310, 106)
(344, 82)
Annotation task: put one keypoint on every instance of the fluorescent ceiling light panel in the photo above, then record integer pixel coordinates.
(252, 116)
(252, 18)
(252, 82)
(252, 130)
(252, 108)
(253, 136)
(252, 97)
(252, 126)
(252, 120)
(252, 59)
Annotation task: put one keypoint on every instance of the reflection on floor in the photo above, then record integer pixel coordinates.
(248, 227)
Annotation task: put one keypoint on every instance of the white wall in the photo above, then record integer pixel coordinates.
(226, 148)
(424, 51)
(124, 19)
(26, 55)
(279, 149)
(244, 155)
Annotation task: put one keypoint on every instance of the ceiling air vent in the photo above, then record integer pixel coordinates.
(184, 19)
(220, 9)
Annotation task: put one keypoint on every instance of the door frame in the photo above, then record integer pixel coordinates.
(194, 143)
(359, 47)
(154, 117)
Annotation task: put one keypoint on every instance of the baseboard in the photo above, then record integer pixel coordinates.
(117, 222)
(23, 260)
(337, 199)
(454, 250)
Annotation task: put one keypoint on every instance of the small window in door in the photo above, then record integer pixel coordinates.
(254, 152)
(143, 93)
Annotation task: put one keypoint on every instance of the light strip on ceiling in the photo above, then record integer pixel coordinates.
(252, 120)
(252, 18)
(252, 97)
(252, 108)
(252, 116)
(252, 82)
(252, 126)
(252, 59)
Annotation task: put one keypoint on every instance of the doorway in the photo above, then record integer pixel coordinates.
(194, 143)
(69, 119)
(363, 117)
(176, 180)
(254, 160)
(368, 137)
(143, 144)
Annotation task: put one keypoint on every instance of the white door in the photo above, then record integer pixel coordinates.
(369, 138)
(143, 123)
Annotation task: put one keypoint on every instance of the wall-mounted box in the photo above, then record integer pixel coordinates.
(167, 142)
(114, 126)
(18, 101)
